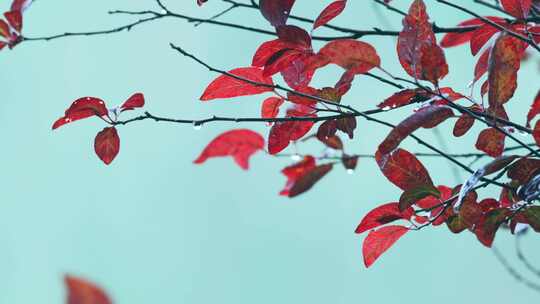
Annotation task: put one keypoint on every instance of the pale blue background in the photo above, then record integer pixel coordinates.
(154, 228)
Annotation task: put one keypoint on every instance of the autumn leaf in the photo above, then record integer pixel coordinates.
(270, 107)
(80, 291)
(133, 102)
(379, 241)
(455, 39)
(282, 133)
(330, 12)
(309, 179)
(417, 47)
(428, 117)
(357, 56)
(504, 63)
(240, 144)
(403, 169)
(517, 8)
(524, 169)
(491, 141)
(227, 86)
(382, 215)
(296, 171)
(20, 5)
(82, 108)
(399, 99)
(463, 124)
(107, 144)
(14, 18)
(488, 225)
(276, 11)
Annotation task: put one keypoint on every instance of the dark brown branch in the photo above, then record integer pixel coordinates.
(514, 273)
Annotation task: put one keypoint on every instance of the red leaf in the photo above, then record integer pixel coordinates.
(281, 61)
(416, 42)
(309, 179)
(482, 65)
(294, 172)
(226, 86)
(267, 50)
(270, 107)
(517, 8)
(455, 39)
(379, 241)
(15, 20)
(82, 108)
(135, 101)
(350, 54)
(295, 36)
(399, 99)
(80, 291)
(383, 214)
(403, 169)
(464, 123)
(524, 169)
(20, 5)
(330, 12)
(488, 225)
(276, 11)
(296, 74)
(535, 109)
(241, 144)
(107, 144)
(434, 66)
(201, 2)
(481, 36)
(491, 141)
(282, 133)
(429, 117)
(504, 64)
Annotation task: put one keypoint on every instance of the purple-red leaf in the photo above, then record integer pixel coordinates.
(403, 169)
(534, 110)
(276, 11)
(379, 241)
(228, 86)
(135, 101)
(417, 47)
(491, 141)
(330, 12)
(427, 118)
(517, 8)
(504, 63)
(107, 144)
(357, 56)
(309, 179)
(270, 107)
(241, 144)
(383, 214)
(82, 108)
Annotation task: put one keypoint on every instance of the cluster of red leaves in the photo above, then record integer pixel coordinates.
(11, 27)
(107, 142)
(421, 203)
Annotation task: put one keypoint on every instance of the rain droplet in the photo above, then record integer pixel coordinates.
(350, 171)
(197, 126)
(296, 157)
(163, 12)
(387, 108)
